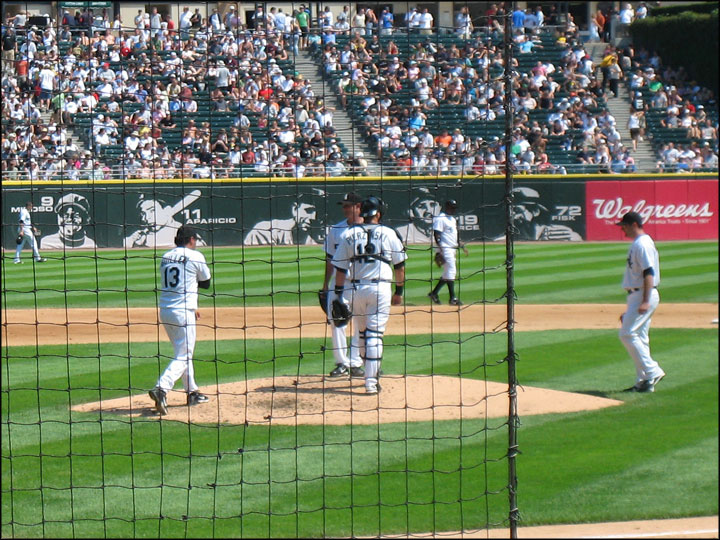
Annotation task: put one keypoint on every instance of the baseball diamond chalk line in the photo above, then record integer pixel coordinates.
(105, 325)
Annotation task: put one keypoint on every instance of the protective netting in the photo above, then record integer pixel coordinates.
(257, 133)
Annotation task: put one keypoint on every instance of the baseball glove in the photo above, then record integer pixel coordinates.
(323, 298)
(19, 239)
(340, 313)
(439, 259)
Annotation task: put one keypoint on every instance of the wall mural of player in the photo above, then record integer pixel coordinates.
(423, 208)
(73, 219)
(303, 227)
(159, 223)
(532, 220)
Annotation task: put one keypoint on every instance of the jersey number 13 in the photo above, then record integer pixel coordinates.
(171, 277)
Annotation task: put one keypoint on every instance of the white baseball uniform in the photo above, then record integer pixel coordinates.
(446, 226)
(25, 225)
(642, 255)
(180, 270)
(339, 337)
(369, 253)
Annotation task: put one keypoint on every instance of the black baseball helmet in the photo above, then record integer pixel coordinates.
(371, 206)
(451, 203)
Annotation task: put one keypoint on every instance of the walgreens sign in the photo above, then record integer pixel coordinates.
(672, 209)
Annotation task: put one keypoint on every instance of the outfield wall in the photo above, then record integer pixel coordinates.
(139, 213)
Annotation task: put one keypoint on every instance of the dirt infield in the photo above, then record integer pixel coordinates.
(60, 326)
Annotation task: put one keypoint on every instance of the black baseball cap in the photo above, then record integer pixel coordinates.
(184, 234)
(351, 198)
(630, 218)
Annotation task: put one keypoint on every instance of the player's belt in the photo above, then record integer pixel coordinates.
(636, 289)
(369, 281)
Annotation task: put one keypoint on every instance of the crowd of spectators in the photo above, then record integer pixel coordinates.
(155, 81)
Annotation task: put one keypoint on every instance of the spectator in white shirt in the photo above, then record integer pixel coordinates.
(425, 22)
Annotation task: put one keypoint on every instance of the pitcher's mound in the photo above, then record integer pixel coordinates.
(314, 399)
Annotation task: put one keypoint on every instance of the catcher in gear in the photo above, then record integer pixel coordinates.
(369, 257)
(447, 240)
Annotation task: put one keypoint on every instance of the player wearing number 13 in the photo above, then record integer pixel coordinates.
(366, 258)
(182, 271)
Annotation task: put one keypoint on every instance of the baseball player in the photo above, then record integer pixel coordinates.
(344, 365)
(447, 240)
(368, 255)
(182, 271)
(642, 276)
(26, 235)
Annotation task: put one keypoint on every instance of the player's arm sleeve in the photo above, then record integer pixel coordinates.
(646, 259)
(205, 284)
(341, 259)
(398, 254)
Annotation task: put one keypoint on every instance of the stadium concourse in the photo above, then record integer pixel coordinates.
(84, 97)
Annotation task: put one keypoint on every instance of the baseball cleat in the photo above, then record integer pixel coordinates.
(455, 302)
(41, 259)
(339, 371)
(158, 396)
(372, 388)
(193, 398)
(652, 382)
(435, 298)
(357, 372)
(17, 262)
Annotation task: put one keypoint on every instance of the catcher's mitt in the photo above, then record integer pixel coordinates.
(340, 313)
(323, 298)
(19, 239)
(439, 259)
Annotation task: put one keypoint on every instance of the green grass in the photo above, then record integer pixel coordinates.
(660, 448)
(68, 474)
(557, 273)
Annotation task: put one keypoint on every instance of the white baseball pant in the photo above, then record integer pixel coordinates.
(180, 327)
(339, 339)
(371, 311)
(634, 335)
(449, 268)
(28, 238)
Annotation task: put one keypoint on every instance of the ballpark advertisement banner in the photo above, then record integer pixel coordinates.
(146, 215)
(672, 209)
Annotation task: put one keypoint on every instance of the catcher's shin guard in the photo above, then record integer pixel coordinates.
(373, 344)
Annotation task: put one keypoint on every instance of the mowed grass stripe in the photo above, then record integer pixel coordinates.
(564, 454)
(291, 274)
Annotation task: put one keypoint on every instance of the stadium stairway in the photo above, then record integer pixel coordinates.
(619, 107)
(351, 138)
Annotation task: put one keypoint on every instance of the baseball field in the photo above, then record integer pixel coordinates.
(280, 452)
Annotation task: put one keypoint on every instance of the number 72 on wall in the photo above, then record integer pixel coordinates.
(567, 213)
